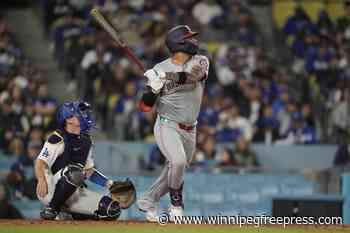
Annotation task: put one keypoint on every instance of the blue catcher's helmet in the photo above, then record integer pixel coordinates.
(79, 109)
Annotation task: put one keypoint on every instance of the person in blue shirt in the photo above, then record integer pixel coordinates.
(297, 22)
(300, 132)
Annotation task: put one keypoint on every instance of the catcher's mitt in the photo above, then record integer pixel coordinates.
(123, 192)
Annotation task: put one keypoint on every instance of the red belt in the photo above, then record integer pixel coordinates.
(186, 127)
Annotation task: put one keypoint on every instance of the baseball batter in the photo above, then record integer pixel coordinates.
(176, 87)
(66, 161)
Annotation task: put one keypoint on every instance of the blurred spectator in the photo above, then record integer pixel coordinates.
(242, 156)
(21, 178)
(66, 28)
(205, 11)
(343, 23)
(232, 15)
(125, 106)
(113, 80)
(21, 185)
(35, 136)
(340, 115)
(53, 10)
(324, 24)
(75, 52)
(17, 147)
(7, 58)
(45, 108)
(306, 111)
(226, 158)
(141, 126)
(247, 31)
(299, 132)
(93, 64)
(13, 118)
(210, 110)
(154, 159)
(342, 156)
(253, 95)
(267, 130)
(322, 64)
(27, 159)
(297, 22)
(232, 125)
(279, 105)
(7, 126)
(7, 210)
(285, 117)
(206, 154)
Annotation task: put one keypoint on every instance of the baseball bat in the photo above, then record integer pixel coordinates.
(115, 34)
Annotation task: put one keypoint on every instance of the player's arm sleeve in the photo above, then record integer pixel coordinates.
(50, 152)
(198, 72)
(204, 64)
(98, 178)
(148, 100)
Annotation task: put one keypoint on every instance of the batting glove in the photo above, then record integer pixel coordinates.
(156, 79)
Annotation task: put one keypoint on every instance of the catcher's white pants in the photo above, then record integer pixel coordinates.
(82, 201)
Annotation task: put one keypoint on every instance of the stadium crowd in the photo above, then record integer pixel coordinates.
(247, 94)
(321, 54)
(27, 114)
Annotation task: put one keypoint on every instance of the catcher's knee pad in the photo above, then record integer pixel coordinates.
(108, 209)
(74, 175)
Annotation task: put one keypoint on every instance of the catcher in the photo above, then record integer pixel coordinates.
(66, 161)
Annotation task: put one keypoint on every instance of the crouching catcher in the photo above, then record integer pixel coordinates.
(66, 162)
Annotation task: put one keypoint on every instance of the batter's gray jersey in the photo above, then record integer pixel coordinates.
(181, 102)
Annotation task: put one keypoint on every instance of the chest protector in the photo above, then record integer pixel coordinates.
(76, 149)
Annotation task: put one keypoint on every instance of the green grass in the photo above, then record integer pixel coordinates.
(154, 228)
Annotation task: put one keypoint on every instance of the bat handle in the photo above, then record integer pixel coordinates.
(132, 56)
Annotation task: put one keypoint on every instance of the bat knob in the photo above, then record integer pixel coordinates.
(94, 11)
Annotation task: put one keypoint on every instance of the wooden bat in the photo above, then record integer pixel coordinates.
(115, 34)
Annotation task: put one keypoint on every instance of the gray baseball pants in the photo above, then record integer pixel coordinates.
(178, 146)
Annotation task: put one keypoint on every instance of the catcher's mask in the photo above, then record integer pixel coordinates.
(79, 109)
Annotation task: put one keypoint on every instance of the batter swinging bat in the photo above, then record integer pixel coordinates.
(115, 34)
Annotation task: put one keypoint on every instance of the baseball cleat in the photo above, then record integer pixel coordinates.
(48, 213)
(175, 211)
(150, 209)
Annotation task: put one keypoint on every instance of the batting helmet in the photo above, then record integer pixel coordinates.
(79, 109)
(177, 40)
